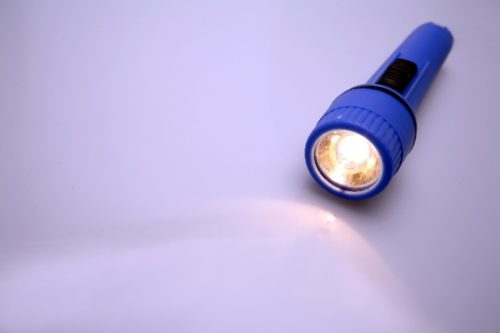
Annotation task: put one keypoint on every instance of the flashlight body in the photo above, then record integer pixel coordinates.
(383, 109)
(426, 47)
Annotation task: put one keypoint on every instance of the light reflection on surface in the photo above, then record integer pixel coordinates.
(330, 221)
(263, 265)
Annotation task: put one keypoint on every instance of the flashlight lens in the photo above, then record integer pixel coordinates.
(348, 160)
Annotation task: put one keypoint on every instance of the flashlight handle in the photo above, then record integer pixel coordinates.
(413, 66)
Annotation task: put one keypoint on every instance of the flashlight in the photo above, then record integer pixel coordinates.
(366, 133)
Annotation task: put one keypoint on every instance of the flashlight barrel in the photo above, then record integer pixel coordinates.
(412, 67)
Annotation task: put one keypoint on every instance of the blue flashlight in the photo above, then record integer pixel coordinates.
(366, 133)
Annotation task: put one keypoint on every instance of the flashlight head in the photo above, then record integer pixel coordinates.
(361, 141)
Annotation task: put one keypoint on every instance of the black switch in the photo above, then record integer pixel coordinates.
(398, 75)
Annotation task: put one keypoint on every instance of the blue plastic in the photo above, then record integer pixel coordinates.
(383, 115)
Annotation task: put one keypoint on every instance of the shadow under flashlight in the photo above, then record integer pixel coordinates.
(366, 133)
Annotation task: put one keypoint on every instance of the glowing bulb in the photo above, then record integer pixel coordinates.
(348, 160)
(353, 150)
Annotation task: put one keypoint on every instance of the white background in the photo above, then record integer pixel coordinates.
(152, 175)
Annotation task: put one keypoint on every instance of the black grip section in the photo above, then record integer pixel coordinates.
(398, 75)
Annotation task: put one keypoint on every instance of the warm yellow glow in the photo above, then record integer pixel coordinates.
(348, 160)
(353, 149)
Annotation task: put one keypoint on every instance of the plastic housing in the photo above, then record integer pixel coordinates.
(381, 112)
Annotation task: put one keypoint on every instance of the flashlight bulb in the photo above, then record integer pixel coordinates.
(347, 160)
(352, 149)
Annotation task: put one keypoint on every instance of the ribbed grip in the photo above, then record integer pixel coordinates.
(373, 124)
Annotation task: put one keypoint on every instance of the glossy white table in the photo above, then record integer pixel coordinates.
(152, 175)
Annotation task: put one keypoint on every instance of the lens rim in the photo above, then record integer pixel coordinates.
(385, 156)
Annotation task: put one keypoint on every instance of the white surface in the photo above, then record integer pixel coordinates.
(152, 174)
